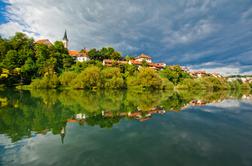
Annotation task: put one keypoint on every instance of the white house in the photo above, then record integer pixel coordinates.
(143, 57)
(79, 56)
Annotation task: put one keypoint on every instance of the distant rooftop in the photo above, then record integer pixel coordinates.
(44, 41)
(143, 56)
(75, 53)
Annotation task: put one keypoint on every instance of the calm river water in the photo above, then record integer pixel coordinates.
(117, 128)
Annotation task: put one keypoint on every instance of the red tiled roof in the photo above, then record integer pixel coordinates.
(110, 61)
(75, 53)
(155, 65)
(144, 119)
(72, 121)
(143, 56)
(198, 72)
(134, 62)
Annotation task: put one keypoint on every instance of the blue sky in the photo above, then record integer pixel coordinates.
(215, 35)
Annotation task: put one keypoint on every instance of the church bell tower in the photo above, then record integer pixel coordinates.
(65, 40)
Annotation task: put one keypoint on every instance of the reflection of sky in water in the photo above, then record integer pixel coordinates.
(216, 134)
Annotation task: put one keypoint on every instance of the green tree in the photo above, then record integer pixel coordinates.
(112, 78)
(67, 77)
(89, 78)
(175, 74)
(4, 48)
(146, 78)
(11, 59)
(28, 70)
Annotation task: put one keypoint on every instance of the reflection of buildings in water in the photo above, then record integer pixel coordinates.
(138, 115)
(198, 103)
(62, 134)
(78, 118)
(247, 97)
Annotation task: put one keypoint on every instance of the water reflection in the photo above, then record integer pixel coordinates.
(24, 112)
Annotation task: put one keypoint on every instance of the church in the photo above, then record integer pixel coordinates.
(79, 56)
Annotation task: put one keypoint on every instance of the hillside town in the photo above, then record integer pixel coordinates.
(139, 61)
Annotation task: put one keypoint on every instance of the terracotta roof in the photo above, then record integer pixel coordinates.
(111, 62)
(198, 72)
(144, 119)
(143, 56)
(75, 53)
(134, 62)
(154, 65)
(157, 65)
(43, 41)
(72, 121)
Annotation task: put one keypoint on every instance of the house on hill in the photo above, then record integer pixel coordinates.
(81, 56)
(138, 61)
(143, 57)
(44, 42)
(48, 43)
(198, 74)
(110, 62)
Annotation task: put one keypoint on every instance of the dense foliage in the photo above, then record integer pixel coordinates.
(21, 59)
(104, 53)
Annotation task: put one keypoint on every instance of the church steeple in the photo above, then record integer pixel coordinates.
(65, 40)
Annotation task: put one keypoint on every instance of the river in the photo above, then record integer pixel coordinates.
(125, 128)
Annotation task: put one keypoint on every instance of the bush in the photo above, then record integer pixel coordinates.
(166, 84)
(245, 86)
(175, 74)
(146, 78)
(235, 85)
(205, 83)
(191, 84)
(112, 78)
(88, 79)
(67, 77)
(47, 82)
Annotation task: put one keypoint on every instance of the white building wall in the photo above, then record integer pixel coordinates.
(82, 59)
(142, 59)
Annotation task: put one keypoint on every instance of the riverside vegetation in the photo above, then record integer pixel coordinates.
(22, 62)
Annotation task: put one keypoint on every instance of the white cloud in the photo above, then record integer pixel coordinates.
(214, 67)
(190, 33)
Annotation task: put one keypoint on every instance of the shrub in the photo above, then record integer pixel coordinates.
(112, 78)
(245, 86)
(205, 83)
(47, 82)
(88, 79)
(67, 77)
(146, 78)
(166, 84)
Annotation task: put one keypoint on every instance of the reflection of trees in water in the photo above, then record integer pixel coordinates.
(22, 112)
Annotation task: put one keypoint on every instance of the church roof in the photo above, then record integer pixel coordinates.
(43, 41)
(65, 36)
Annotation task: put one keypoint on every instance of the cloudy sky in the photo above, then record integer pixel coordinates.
(215, 35)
